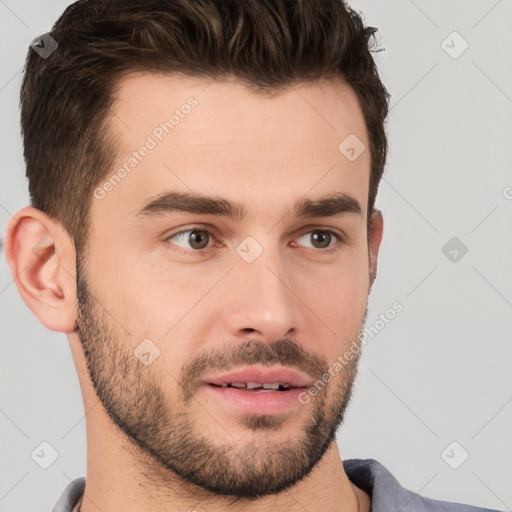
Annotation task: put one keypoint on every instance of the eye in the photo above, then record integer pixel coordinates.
(324, 237)
(198, 239)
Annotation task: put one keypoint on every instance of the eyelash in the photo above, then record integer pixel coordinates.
(339, 240)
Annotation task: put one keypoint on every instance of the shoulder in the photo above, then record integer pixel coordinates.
(70, 495)
(388, 495)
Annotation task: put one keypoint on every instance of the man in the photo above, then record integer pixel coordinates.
(216, 375)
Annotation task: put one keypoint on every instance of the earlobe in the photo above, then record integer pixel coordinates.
(41, 257)
(376, 231)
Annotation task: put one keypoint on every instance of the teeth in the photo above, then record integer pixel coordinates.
(254, 385)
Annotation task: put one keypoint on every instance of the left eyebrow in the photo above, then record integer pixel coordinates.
(327, 206)
(168, 202)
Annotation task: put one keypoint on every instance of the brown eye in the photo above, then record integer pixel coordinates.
(322, 238)
(196, 239)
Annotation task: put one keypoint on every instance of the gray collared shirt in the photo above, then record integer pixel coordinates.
(386, 493)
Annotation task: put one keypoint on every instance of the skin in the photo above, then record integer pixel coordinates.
(267, 153)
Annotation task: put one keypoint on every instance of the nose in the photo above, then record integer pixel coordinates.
(262, 303)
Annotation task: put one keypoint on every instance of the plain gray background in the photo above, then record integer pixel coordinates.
(435, 384)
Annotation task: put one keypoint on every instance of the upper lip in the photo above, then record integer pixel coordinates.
(262, 375)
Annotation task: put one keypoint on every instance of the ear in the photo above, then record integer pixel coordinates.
(375, 238)
(41, 257)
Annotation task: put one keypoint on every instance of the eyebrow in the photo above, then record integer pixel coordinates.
(168, 202)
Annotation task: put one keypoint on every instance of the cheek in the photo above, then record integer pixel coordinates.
(339, 300)
(343, 284)
(340, 304)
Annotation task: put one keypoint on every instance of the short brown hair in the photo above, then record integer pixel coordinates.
(266, 44)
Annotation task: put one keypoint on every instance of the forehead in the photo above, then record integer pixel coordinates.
(186, 133)
(306, 110)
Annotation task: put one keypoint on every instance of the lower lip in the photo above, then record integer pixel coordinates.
(253, 402)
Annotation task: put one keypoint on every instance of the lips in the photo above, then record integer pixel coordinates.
(254, 377)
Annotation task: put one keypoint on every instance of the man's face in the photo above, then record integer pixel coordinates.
(171, 300)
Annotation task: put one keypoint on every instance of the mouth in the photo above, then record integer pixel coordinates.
(256, 387)
(259, 378)
(259, 390)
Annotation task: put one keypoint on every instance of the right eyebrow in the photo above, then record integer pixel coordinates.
(191, 203)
